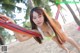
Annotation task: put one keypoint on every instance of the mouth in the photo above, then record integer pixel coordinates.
(39, 23)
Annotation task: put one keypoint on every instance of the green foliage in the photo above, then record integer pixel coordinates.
(18, 1)
(1, 29)
(37, 2)
(48, 10)
(27, 25)
(56, 2)
(7, 36)
(8, 7)
(27, 13)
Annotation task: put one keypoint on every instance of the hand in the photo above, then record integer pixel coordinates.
(7, 19)
(10, 21)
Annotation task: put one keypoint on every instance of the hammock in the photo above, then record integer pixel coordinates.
(16, 28)
(21, 30)
(58, 11)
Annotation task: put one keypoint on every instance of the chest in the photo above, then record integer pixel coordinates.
(47, 31)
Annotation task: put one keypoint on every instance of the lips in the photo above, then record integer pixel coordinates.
(39, 23)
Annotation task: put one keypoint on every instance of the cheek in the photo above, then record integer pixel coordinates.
(42, 20)
(34, 21)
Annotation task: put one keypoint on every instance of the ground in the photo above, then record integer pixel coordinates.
(48, 46)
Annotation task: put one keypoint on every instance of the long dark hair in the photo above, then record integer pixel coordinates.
(54, 24)
(39, 11)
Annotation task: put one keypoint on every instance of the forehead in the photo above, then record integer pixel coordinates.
(39, 11)
(35, 13)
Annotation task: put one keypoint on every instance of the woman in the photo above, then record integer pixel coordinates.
(47, 26)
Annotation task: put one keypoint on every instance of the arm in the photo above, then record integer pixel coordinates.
(7, 19)
(20, 37)
(24, 37)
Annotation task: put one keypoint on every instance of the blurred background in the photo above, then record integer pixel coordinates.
(19, 11)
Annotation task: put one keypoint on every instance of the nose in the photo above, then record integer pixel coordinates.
(38, 19)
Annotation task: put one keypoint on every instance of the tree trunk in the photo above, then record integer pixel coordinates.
(73, 14)
(77, 7)
(1, 40)
(64, 20)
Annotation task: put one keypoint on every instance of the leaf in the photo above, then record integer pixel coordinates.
(37, 2)
(8, 7)
(27, 25)
(27, 13)
(48, 10)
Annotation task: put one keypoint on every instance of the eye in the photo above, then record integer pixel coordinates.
(40, 16)
(34, 17)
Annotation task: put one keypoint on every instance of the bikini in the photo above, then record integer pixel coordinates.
(46, 37)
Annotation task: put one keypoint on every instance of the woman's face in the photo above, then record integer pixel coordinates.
(38, 19)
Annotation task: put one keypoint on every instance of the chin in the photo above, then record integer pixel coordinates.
(39, 25)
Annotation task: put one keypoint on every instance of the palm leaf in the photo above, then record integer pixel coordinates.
(37, 2)
(27, 13)
(18, 1)
(56, 2)
(10, 7)
(48, 10)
